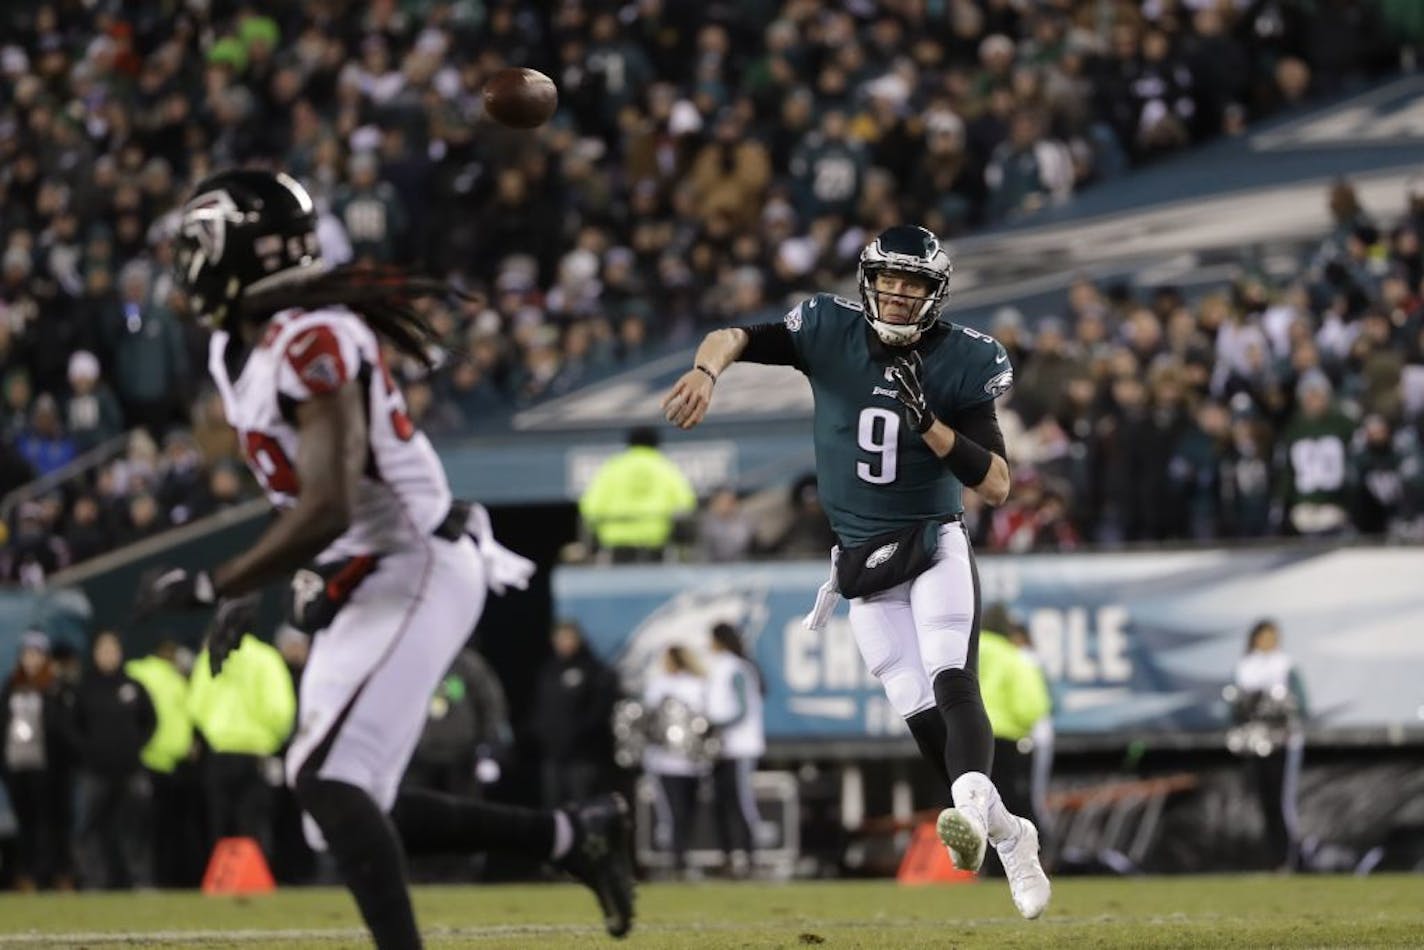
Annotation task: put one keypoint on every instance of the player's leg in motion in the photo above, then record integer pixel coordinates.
(363, 703)
(945, 604)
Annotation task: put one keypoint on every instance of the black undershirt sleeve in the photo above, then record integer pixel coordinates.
(980, 424)
(770, 343)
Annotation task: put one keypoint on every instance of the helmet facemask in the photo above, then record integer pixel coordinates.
(910, 252)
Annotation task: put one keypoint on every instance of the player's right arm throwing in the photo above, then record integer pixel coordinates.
(768, 343)
(691, 395)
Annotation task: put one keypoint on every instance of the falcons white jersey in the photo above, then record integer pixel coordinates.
(403, 494)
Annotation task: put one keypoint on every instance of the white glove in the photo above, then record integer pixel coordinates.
(503, 568)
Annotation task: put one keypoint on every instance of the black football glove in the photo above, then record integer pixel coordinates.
(173, 588)
(234, 618)
(905, 372)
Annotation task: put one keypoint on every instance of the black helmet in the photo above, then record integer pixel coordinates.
(909, 250)
(242, 229)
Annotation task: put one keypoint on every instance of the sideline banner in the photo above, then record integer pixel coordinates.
(1130, 641)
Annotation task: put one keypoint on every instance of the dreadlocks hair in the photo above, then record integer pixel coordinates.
(383, 296)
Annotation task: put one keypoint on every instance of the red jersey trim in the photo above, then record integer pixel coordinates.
(315, 356)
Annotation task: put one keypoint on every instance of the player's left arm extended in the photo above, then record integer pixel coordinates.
(331, 457)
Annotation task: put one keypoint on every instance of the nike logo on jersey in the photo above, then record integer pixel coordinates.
(1001, 357)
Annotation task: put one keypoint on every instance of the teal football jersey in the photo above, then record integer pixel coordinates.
(875, 474)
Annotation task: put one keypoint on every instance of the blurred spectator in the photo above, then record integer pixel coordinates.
(467, 735)
(244, 717)
(725, 532)
(827, 169)
(181, 478)
(1388, 479)
(114, 720)
(92, 414)
(1269, 709)
(1312, 463)
(467, 731)
(735, 688)
(677, 679)
(372, 213)
(149, 354)
(87, 534)
(169, 749)
(1028, 171)
(573, 703)
(33, 739)
(809, 532)
(34, 552)
(222, 488)
(634, 500)
(44, 444)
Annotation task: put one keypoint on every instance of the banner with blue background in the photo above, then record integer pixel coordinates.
(1132, 642)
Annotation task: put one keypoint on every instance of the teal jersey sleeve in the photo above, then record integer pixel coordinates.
(819, 327)
(987, 373)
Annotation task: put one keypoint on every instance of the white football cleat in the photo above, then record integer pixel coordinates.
(962, 832)
(1027, 882)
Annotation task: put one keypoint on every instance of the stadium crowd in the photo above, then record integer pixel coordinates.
(710, 160)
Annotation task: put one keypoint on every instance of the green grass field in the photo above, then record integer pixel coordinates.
(1241, 911)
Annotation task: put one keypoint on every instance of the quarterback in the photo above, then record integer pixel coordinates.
(904, 422)
(391, 573)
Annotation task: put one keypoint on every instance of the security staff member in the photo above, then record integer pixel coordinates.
(175, 798)
(1016, 698)
(635, 500)
(245, 715)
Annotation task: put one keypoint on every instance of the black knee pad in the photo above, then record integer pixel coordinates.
(953, 687)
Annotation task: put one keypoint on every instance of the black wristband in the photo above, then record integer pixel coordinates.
(710, 375)
(968, 461)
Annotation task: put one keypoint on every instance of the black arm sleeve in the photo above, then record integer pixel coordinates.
(770, 343)
(980, 424)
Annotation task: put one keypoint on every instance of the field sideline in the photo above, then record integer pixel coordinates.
(1238, 911)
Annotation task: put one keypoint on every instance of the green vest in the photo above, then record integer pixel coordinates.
(874, 474)
(173, 735)
(634, 499)
(251, 707)
(1014, 690)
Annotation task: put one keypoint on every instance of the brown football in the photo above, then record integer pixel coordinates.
(520, 98)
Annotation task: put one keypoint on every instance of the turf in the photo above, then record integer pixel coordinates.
(1240, 911)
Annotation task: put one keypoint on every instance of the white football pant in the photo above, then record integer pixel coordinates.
(910, 633)
(367, 685)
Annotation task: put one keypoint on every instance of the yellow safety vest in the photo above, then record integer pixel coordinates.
(173, 735)
(1015, 692)
(250, 707)
(634, 499)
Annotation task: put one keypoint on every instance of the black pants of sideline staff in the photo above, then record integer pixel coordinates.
(239, 799)
(735, 806)
(1277, 781)
(679, 795)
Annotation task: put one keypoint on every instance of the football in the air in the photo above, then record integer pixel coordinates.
(520, 98)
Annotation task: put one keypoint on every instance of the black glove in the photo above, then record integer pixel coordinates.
(234, 618)
(905, 372)
(173, 588)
